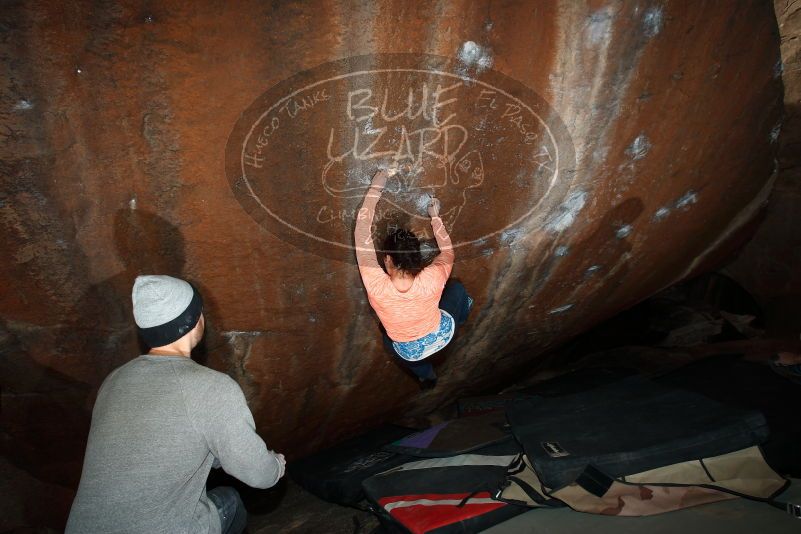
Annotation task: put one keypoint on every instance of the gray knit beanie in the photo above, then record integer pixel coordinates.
(164, 308)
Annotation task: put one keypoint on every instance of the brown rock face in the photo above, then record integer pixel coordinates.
(769, 266)
(586, 155)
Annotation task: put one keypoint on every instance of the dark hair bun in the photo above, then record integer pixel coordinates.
(404, 249)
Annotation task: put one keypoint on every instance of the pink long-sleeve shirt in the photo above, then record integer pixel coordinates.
(411, 314)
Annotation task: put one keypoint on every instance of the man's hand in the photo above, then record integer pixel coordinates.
(433, 207)
(281, 464)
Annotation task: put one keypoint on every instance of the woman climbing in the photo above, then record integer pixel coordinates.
(416, 304)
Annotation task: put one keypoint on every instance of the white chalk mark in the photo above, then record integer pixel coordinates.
(592, 270)
(661, 213)
(473, 55)
(240, 333)
(560, 309)
(422, 203)
(561, 251)
(132, 203)
(778, 69)
(639, 147)
(566, 212)
(368, 127)
(23, 105)
(690, 197)
(624, 231)
(652, 21)
(774, 133)
(599, 27)
(511, 236)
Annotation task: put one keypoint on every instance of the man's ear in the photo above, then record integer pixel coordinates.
(199, 328)
(388, 263)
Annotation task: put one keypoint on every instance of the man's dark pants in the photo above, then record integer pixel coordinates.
(233, 517)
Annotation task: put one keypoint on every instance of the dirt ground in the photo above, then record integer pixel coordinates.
(300, 511)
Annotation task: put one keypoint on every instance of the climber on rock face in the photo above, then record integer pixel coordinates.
(417, 305)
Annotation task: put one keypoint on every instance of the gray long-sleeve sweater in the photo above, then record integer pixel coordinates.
(158, 425)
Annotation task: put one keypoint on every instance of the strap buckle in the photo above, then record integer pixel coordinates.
(794, 510)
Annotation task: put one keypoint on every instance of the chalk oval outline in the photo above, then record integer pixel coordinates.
(435, 71)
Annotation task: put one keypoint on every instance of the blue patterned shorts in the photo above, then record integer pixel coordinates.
(427, 345)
